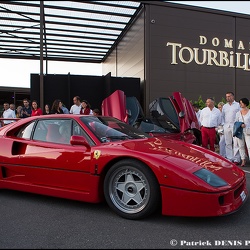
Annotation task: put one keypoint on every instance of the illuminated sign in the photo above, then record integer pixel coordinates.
(210, 57)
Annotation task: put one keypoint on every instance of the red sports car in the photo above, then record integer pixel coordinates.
(93, 159)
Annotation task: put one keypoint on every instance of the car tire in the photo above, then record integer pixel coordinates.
(131, 189)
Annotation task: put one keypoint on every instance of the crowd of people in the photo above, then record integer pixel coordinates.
(220, 121)
(33, 109)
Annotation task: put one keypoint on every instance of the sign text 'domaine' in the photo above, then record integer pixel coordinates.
(211, 57)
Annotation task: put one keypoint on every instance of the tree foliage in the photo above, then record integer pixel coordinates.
(202, 103)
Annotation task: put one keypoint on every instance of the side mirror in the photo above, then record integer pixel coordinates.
(181, 114)
(79, 140)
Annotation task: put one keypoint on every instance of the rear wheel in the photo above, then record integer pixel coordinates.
(131, 189)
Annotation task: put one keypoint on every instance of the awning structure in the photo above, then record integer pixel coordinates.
(75, 31)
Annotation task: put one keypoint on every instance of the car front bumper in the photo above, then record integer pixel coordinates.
(179, 202)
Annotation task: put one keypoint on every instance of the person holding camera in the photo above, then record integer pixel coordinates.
(26, 110)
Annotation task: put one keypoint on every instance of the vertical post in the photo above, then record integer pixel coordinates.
(68, 103)
(41, 54)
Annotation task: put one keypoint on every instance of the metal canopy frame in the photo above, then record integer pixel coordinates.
(75, 31)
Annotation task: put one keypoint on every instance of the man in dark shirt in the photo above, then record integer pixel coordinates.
(26, 110)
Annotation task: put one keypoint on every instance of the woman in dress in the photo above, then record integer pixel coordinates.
(244, 116)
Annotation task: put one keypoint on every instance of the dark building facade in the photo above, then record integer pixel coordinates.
(196, 51)
(91, 88)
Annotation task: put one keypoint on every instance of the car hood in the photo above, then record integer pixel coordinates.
(185, 156)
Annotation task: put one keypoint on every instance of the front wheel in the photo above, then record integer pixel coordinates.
(131, 189)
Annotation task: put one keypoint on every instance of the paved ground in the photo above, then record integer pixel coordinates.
(247, 166)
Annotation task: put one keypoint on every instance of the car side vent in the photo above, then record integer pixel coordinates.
(3, 171)
(18, 148)
(221, 200)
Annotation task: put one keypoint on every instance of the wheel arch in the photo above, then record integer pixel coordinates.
(140, 206)
(120, 158)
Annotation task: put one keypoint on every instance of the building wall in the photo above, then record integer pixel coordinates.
(196, 51)
(174, 34)
(177, 33)
(130, 52)
(242, 77)
(109, 66)
(127, 60)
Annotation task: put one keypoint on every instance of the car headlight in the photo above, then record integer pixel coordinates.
(210, 178)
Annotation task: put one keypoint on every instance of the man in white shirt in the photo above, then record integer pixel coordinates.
(76, 107)
(210, 119)
(229, 111)
(8, 113)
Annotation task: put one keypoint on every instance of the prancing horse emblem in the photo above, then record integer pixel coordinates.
(97, 154)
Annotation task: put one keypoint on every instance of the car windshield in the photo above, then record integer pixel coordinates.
(108, 129)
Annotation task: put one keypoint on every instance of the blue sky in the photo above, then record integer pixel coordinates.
(16, 73)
